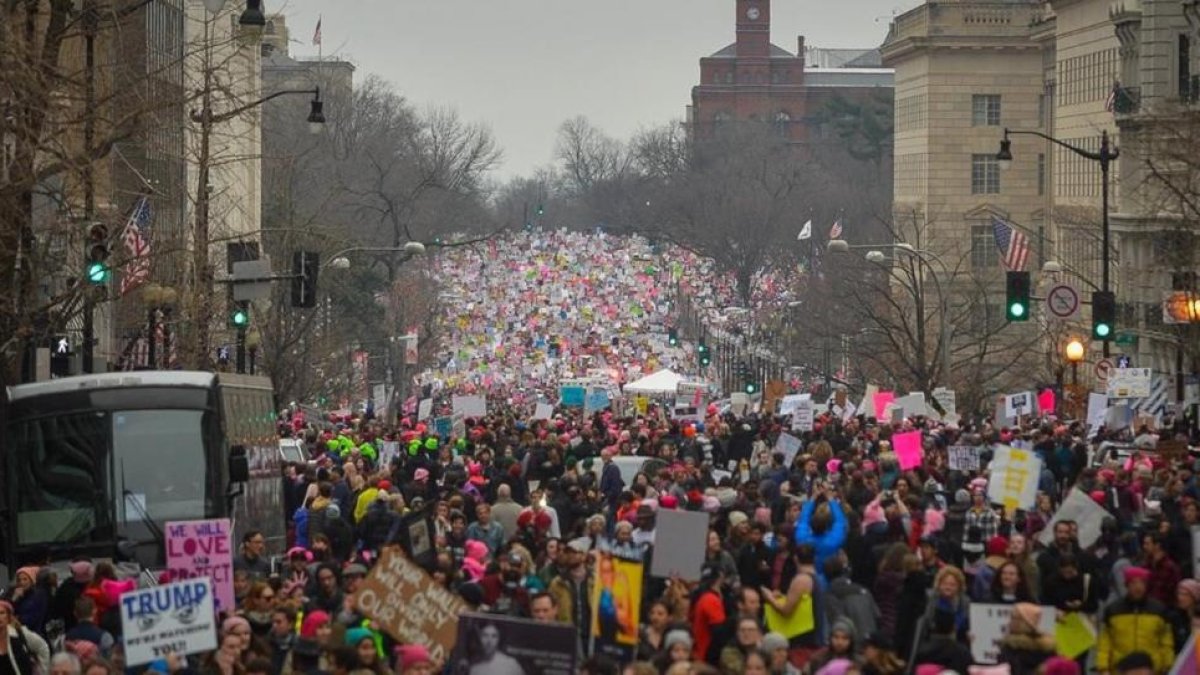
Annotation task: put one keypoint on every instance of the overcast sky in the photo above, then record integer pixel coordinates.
(524, 66)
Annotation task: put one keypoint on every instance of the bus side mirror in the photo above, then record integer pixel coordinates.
(239, 465)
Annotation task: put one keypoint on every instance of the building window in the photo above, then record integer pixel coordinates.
(983, 247)
(985, 175)
(1041, 110)
(1185, 68)
(985, 110)
(1041, 173)
(729, 77)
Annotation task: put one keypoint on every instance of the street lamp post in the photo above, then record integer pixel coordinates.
(1074, 352)
(1104, 156)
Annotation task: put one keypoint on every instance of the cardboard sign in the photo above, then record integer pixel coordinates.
(908, 449)
(178, 617)
(1014, 478)
(1086, 513)
(597, 399)
(470, 406)
(521, 646)
(790, 446)
(738, 402)
(789, 403)
(868, 401)
(203, 548)
(406, 604)
(572, 397)
(1097, 409)
(543, 411)
(802, 416)
(1016, 405)
(913, 405)
(962, 458)
(773, 393)
(679, 541)
(641, 404)
(989, 625)
(1129, 382)
(424, 409)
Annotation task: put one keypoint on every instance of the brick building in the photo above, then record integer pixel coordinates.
(755, 80)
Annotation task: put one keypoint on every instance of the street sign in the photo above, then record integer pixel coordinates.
(1126, 338)
(1062, 301)
(1104, 368)
(1129, 383)
(252, 280)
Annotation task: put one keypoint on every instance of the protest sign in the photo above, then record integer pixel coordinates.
(469, 406)
(913, 405)
(1084, 511)
(642, 404)
(492, 643)
(868, 401)
(989, 625)
(679, 541)
(424, 409)
(388, 450)
(203, 548)
(738, 402)
(789, 445)
(907, 447)
(616, 603)
(1046, 402)
(802, 416)
(1074, 635)
(1014, 479)
(406, 604)
(772, 394)
(880, 402)
(789, 403)
(1096, 410)
(172, 618)
(543, 411)
(962, 458)
(1016, 405)
(850, 411)
(1129, 382)
(572, 396)
(596, 400)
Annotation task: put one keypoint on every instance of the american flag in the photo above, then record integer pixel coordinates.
(317, 33)
(137, 245)
(1012, 243)
(835, 232)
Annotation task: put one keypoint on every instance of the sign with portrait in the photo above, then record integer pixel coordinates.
(493, 643)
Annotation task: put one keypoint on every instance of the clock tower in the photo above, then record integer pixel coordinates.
(753, 28)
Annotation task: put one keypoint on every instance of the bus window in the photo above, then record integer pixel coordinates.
(160, 465)
(57, 470)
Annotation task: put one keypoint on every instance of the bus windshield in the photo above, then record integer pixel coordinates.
(159, 465)
(69, 470)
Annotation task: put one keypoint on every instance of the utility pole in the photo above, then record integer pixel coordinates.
(87, 364)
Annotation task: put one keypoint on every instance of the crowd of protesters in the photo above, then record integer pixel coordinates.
(889, 561)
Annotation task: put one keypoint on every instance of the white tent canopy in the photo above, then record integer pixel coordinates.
(662, 382)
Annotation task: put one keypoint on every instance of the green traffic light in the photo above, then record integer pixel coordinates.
(1103, 330)
(97, 273)
(750, 389)
(240, 318)
(1016, 309)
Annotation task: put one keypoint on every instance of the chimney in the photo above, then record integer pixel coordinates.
(800, 47)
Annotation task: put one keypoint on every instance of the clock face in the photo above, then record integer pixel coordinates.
(752, 14)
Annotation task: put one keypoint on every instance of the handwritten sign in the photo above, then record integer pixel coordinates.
(962, 458)
(1014, 480)
(802, 416)
(679, 541)
(409, 606)
(203, 548)
(989, 625)
(177, 617)
(790, 446)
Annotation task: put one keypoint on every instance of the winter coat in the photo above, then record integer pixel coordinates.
(377, 524)
(27, 651)
(851, 601)
(829, 542)
(300, 519)
(1025, 653)
(1127, 626)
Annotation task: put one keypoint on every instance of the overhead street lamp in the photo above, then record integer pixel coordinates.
(1104, 157)
(339, 261)
(1074, 351)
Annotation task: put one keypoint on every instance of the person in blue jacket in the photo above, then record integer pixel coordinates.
(825, 529)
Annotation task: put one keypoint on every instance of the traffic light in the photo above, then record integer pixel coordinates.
(1017, 290)
(672, 337)
(751, 388)
(97, 270)
(1104, 315)
(239, 315)
(705, 355)
(305, 265)
(541, 210)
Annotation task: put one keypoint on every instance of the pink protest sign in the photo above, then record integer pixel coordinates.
(1046, 401)
(908, 449)
(882, 399)
(203, 548)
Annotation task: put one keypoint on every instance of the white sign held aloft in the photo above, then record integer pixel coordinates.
(989, 625)
(1014, 478)
(1016, 405)
(790, 446)
(173, 618)
(802, 417)
(963, 458)
(1083, 511)
(1129, 383)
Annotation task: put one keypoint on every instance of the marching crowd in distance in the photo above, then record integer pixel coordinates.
(835, 562)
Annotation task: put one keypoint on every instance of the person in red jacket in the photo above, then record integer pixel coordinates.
(708, 611)
(1164, 572)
